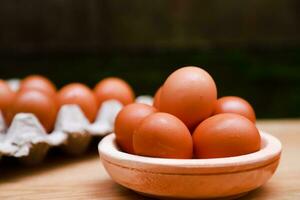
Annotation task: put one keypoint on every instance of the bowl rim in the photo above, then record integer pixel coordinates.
(268, 154)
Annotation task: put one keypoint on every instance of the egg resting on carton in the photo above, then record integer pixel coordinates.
(27, 140)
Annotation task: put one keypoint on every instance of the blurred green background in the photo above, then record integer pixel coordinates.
(251, 47)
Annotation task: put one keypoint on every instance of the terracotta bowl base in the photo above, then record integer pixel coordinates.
(170, 198)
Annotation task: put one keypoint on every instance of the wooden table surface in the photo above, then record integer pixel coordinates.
(61, 177)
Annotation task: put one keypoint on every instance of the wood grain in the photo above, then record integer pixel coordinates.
(85, 178)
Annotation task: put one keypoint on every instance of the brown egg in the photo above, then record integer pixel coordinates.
(7, 96)
(37, 102)
(190, 94)
(114, 88)
(38, 82)
(163, 135)
(127, 121)
(225, 135)
(80, 94)
(232, 104)
(157, 98)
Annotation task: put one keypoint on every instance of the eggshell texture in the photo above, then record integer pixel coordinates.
(114, 88)
(80, 94)
(157, 98)
(127, 121)
(6, 98)
(38, 82)
(225, 135)
(190, 94)
(232, 104)
(163, 135)
(42, 105)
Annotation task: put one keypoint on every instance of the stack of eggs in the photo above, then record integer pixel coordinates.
(188, 121)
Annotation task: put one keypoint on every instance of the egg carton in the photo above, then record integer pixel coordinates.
(27, 140)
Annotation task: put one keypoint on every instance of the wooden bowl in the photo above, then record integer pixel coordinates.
(226, 178)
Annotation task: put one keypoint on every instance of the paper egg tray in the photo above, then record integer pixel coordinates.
(27, 140)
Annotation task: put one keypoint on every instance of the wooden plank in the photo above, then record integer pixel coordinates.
(85, 178)
(36, 26)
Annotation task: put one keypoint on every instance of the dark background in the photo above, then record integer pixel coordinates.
(250, 47)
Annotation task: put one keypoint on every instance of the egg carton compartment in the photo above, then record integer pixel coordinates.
(27, 140)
